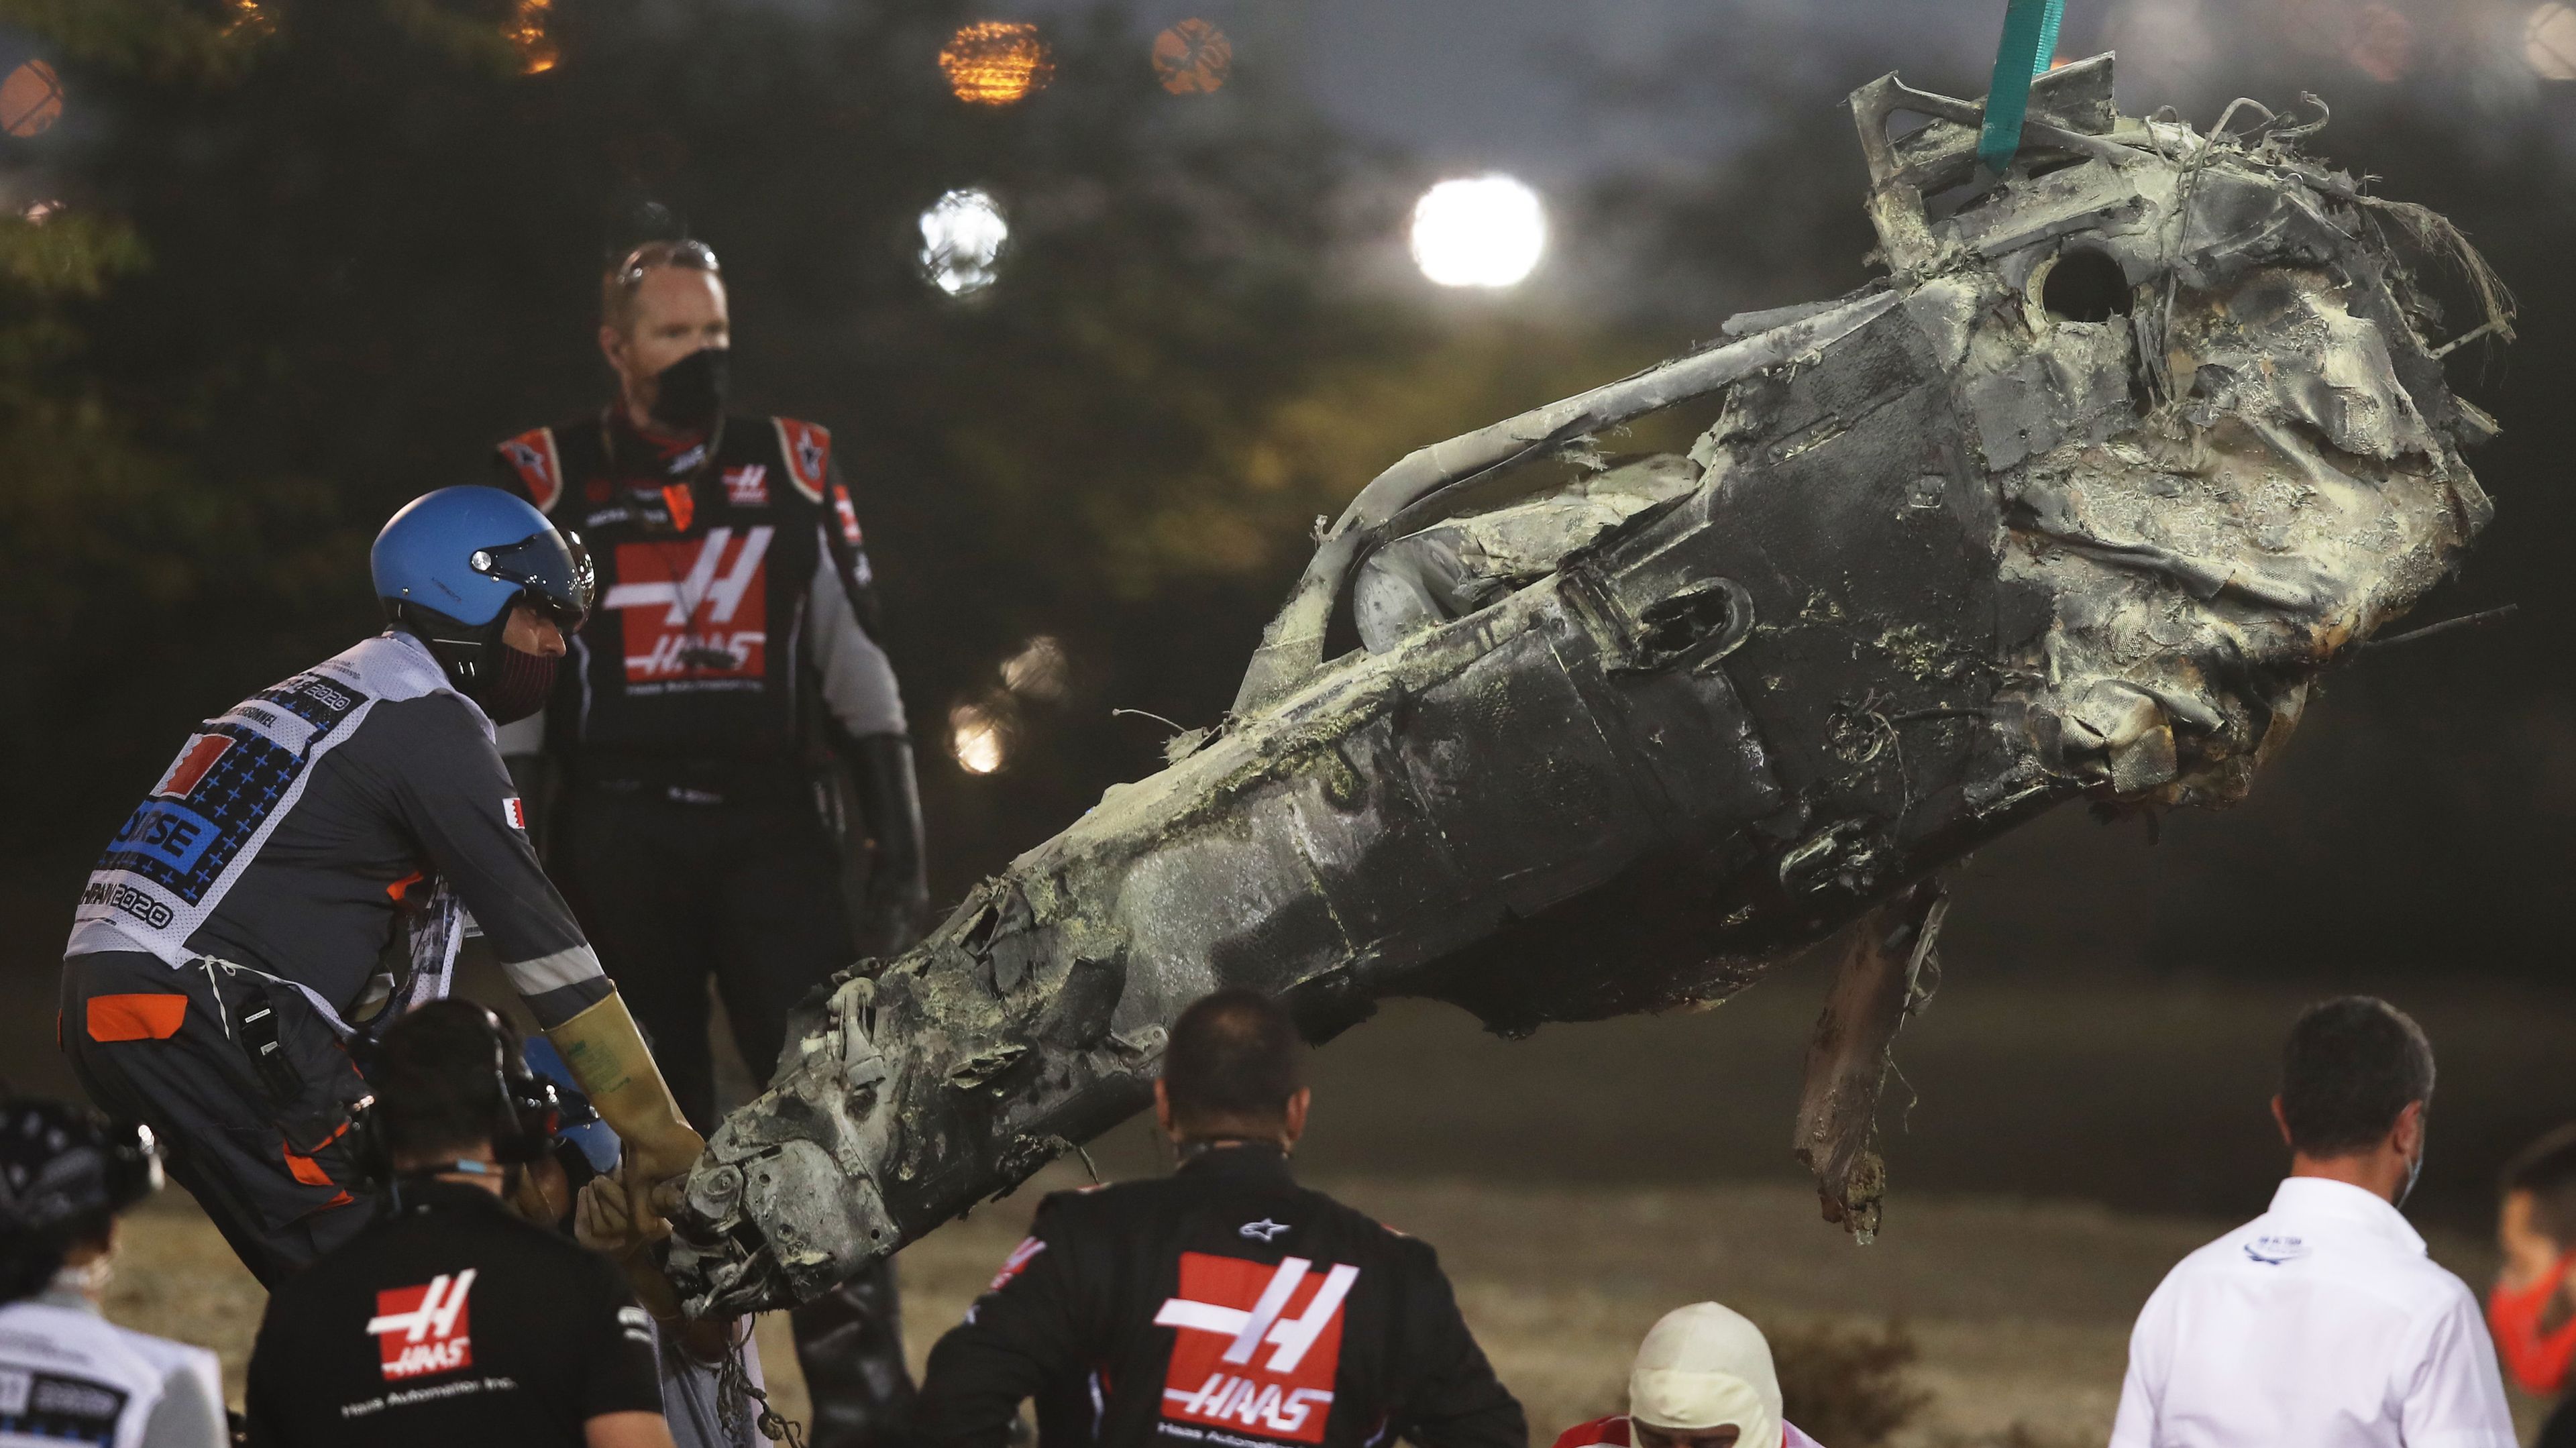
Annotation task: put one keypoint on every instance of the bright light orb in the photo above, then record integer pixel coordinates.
(996, 62)
(1038, 670)
(2549, 42)
(962, 236)
(248, 20)
(975, 738)
(31, 100)
(526, 33)
(1193, 58)
(1480, 231)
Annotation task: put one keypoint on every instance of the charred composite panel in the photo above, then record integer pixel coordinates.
(2129, 445)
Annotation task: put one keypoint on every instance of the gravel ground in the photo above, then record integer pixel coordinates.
(2019, 1312)
(1582, 1182)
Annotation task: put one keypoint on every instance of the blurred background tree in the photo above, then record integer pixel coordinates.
(301, 260)
(279, 265)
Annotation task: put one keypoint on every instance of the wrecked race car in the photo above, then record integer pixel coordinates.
(2130, 443)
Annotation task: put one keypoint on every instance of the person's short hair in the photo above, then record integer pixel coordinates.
(436, 1078)
(1232, 1061)
(2547, 1170)
(2350, 1067)
(29, 1260)
(619, 285)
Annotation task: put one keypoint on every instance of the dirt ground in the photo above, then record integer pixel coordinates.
(2054, 1144)
(2020, 1311)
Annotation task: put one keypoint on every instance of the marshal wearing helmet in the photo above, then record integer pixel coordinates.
(301, 874)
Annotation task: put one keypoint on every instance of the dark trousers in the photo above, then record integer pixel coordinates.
(672, 892)
(246, 1087)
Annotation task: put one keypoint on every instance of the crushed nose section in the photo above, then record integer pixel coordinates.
(774, 1228)
(785, 1203)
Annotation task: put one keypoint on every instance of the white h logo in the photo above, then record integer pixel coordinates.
(721, 595)
(1262, 1324)
(436, 1314)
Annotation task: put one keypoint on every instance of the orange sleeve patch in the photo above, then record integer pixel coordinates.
(308, 1171)
(532, 456)
(144, 1017)
(808, 447)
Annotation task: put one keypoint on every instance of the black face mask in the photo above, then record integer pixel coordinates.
(689, 395)
(519, 683)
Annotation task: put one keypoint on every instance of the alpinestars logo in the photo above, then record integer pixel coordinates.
(422, 1330)
(694, 614)
(1228, 1311)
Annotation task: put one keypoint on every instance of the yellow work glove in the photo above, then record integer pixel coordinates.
(613, 1069)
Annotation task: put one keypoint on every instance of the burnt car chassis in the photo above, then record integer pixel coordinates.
(2130, 443)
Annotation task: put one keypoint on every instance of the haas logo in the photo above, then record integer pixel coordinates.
(694, 610)
(1258, 1345)
(422, 1330)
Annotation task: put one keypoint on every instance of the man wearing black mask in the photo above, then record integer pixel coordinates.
(723, 711)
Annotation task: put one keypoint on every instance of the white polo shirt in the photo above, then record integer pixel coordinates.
(2320, 1324)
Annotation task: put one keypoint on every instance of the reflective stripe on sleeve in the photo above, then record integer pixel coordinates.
(553, 972)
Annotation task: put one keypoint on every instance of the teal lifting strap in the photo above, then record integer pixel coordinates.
(2029, 44)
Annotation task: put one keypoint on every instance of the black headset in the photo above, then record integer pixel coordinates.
(527, 1111)
(62, 1165)
(64, 1171)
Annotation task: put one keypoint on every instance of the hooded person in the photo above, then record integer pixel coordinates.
(300, 876)
(1703, 1379)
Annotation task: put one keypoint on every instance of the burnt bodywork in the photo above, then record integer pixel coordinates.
(2129, 445)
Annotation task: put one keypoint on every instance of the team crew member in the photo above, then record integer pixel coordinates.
(2322, 1322)
(1225, 1305)
(451, 1320)
(301, 874)
(2533, 1306)
(66, 1374)
(1703, 1379)
(732, 663)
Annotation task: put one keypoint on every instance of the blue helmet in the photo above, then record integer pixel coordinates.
(450, 566)
(468, 553)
